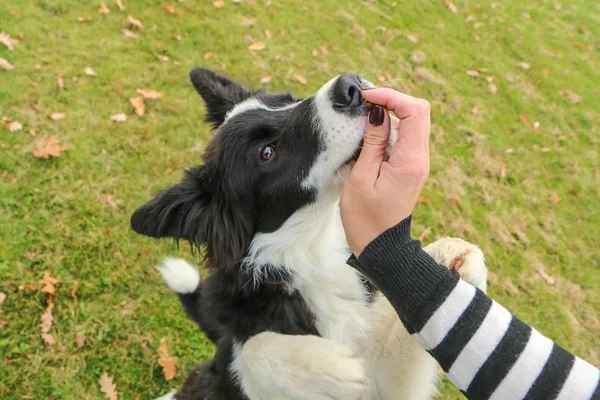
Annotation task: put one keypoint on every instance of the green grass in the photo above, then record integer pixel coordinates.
(58, 208)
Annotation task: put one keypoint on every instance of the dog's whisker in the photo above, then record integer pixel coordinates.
(387, 82)
(363, 72)
(348, 183)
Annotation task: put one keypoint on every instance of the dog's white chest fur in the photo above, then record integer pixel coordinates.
(315, 255)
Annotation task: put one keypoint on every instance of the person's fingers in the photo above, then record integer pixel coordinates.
(414, 127)
(375, 142)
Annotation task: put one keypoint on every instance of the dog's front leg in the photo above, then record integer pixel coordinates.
(275, 366)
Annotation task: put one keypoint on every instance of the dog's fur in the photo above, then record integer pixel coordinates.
(291, 320)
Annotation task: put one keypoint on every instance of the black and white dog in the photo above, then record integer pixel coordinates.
(291, 320)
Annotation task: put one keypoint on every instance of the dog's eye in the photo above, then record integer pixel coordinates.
(267, 152)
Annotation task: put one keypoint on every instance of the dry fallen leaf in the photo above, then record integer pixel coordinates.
(47, 318)
(3, 322)
(526, 121)
(2, 297)
(162, 57)
(545, 149)
(523, 65)
(268, 34)
(423, 200)
(59, 82)
(6, 40)
(493, 88)
(57, 116)
(108, 387)
(120, 5)
(451, 6)
(473, 74)
(170, 9)
(219, 4)
(129, 34)
(5, 65)
(299, 79)
(30, 255)
(119, 117)
(135, 23)
(103, 9)
(413, 38)
(80, 340)
(555, 198)
(138, 105)
(503, 171)
(424, 234)
(208, 55)
(12, 124)
(168, 171)
(48, 338)
(149, 93)
(84, 19)
(89, 71)
(266, 79)
(174, 36)
(74, 288)
(48, 282)
(510, 287)
(258, 46)
(315, 52)
(324, 51)
(165, 361)
(52, 148)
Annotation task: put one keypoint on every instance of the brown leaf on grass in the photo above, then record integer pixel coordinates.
(103, 9)
(108, 387)
(135, 23)
(59, 82)
(265, 80)
(493, 88)
(149, 93)
(523, 65)
(257, 46)
(573, 97)
(324, 51)
(74, 288)
(5, 65)
(170, 9)
(473, 74)
(413, 38)
(545, 149)
(268, 34)
(138, 105)
(2, 297)
(423, 200)
(6, 40)
(555, 198)
(451, 6)
(47, 318)
(30, 255)
(12, 124)
(89, 71)
(163, 58)
(129, 34)
(120, 5)
(48, 338)
(452, 200)
(52, 148)
(80, 339)
(510, 287)
(526, 121)
(208, 55)
(112, 203)
(503, 171)
(165, 361)
(424, 234)
(28, 287)
(3, 322)
(168, 171)
(57, 116)
(84, 19)
(174, 36)
(315, 52)
(299, 78)
(119, 117)
(218, 4)
(48, 282)
(117, 87)
(579, 45)
(542, 272)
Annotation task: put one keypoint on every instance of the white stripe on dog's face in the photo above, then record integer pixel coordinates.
(254, 103)
(340, 132)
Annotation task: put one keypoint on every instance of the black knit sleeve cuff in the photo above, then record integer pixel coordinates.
(398, 266)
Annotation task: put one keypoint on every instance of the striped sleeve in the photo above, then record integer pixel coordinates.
(486, 351)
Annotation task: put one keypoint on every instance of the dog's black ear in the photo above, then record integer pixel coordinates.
(221, 94)
(179, 212)
(190, 211)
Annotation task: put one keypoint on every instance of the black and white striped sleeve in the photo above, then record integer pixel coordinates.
(486, 351)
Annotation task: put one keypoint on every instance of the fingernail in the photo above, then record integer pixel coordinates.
(376, 115)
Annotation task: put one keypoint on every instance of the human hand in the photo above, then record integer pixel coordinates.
(379, 194)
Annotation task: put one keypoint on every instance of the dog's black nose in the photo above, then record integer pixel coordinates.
(346, 92)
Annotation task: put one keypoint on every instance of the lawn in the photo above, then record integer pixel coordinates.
(515, 167)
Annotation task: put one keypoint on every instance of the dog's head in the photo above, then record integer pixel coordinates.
(271, 155)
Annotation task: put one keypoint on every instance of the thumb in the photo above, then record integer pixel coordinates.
(374, 145)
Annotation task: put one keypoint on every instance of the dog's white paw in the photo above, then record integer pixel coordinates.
(461, 256)
(302, 367)
(168, 396)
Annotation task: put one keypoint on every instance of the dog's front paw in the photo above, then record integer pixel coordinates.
(461, 256)
(301, 367)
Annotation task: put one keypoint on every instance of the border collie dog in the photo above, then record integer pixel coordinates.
(290, 319)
